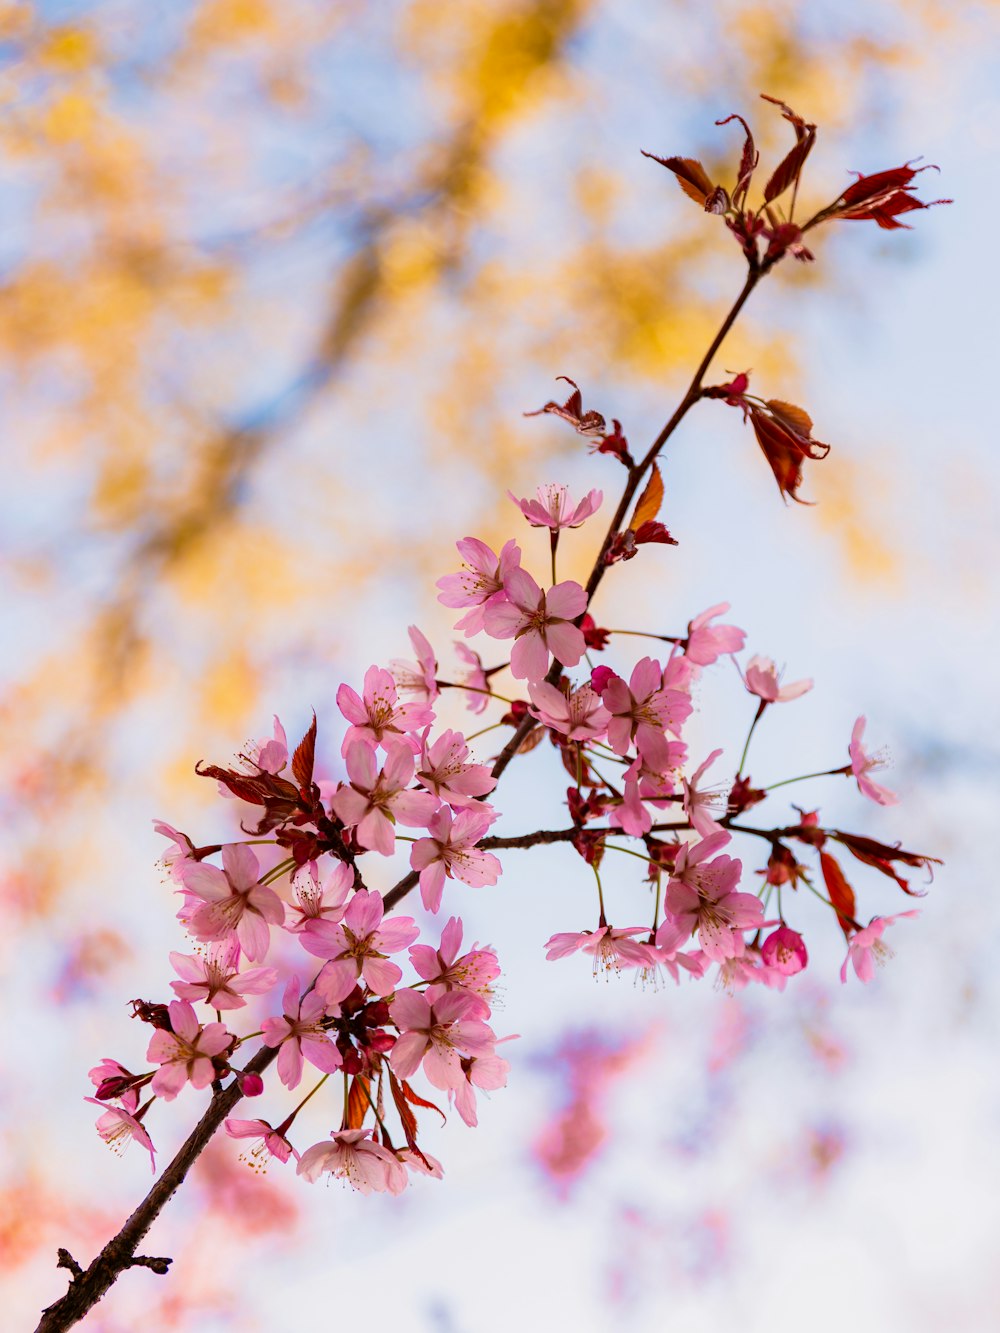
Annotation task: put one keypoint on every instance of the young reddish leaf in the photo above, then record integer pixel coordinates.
(257, 790)
(691, 176)
(782, 451)
(801, 127)
(586, 423)
(881, 856)
(358, 1101)
(787, 171)
(799, 420)
(653, 531)
(748, 161)
(841, 893)
(304, 757)
(406, 1117)
(881, 197)
(416, 1100)
(649, 502)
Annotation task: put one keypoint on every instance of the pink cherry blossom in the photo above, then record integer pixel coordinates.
(357, 948)
(269, 1143)
(866, 950)
(118, 1128)
(444, 771)
(420, 677)
(763, 678)
(481, 579)
(698, 803)
(185, 1054)
(785, 951)
(579, 716)
(436, 1030)
(377, 800)
(611, 949)
(668, 942)
(706, 643)
(233, 901)
(477, 687)
(319, 904)
(378, 715)
(555, 510)
(216, 979)
(270, 755)
(353, 1157)
(450, 853)
(701, 896)
(862, 764)
(176, 857)
(475, 971)
(487, 1072)
(540, 622)
(643, 710)
(300, 1034)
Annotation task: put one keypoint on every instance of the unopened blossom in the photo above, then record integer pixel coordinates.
(643, 710)
(450, 852)
(113, 1080)
(480, 579)
(699, 803)
(706, 643)
(473, 681)
(540, 622)
(233, 901)
(701, 896)
(444, 770)
(866, 949)
(611, 949)
(785, 951)
(300, 1034)
(579, 716)
(319, 903)
(763, 678)
(118, 1128)
(216, 980)
(185, 1054)
(475, 971)
(377, 717)
(420, 677)
(270, 1142)
(353, 1157)
(357, 948)
(436, 1030)
(377, 799)
(862, 764)
(555, 510)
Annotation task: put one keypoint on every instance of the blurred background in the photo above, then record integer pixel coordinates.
(277, 282)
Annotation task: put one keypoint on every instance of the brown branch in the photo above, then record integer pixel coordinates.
(87, 1288)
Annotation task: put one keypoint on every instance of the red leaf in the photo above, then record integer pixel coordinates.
(787, 171)
(841, 893)
(748, 161)
(586, 423)
(304, 757)
(801, 127)
(415, 1100)
(649, 502)
(358, 1101)
(652, 531)
(691, 176)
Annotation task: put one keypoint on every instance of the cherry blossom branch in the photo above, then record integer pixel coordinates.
(87, 1287)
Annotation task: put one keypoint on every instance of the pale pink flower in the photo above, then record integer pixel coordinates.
(701, 896)
(270, 1142)
(698, 803)
(320, 904)
(185, 1054)
(487, 1072)
(481, 578)
(300, 1034)
(668, 942)
(418, 677)
(631, 815)
(357, 947)
(579, 716)
(118, 1128)
(861, 765)
(436, 1030)
(611, 949)
(216, 980)
(444, 771)
(554, 509)
(270, 755)
(377, 800)
(763, 678)
(379, 715)
(643, 710)
(233, 901)
(450, 853)
(475, 971)
(706, 643)
(176, 857)
(785, 951)
(540, 622)
(865, 949)
(353, 1157)
(477, 687)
